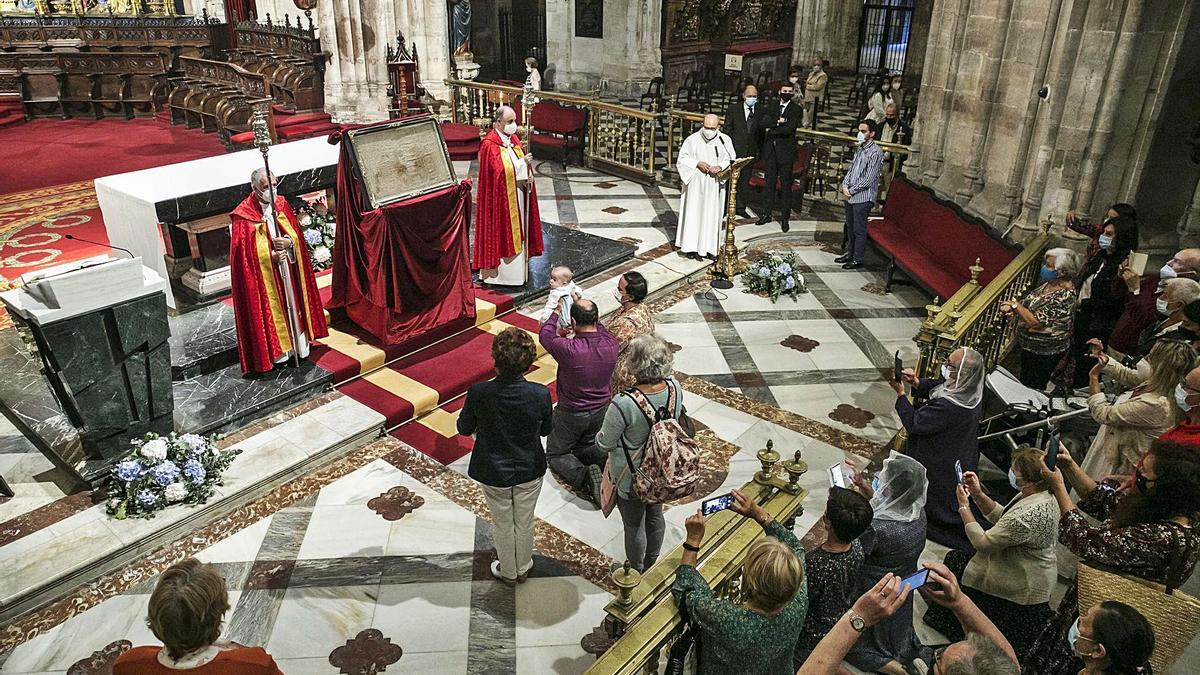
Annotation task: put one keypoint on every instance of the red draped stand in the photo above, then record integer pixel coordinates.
(402, 272)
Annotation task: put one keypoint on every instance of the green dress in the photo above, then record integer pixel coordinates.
(734, 639)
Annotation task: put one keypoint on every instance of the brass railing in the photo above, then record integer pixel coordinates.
(644, 619)
(971, 317)
(680, 125)
(831, 157)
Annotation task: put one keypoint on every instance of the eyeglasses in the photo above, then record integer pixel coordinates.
(937, 656)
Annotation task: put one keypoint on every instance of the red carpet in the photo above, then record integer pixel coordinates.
(32, 225)
(47, 152)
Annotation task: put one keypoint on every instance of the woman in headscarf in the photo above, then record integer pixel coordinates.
(942, 430)
(893, 544)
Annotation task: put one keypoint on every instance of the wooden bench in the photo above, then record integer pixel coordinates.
(215, 96)
(933, 241)
(289, 56)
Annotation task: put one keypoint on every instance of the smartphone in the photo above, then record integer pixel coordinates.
(958, 470)
(898, 371)
(1137, 262)
(1052, 450)
(837, 476)
(914, 581)
(711, 506)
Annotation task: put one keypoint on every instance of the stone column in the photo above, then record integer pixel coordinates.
(939, 82)
(1189, 225)
(989, 88)
(355, 34)
(425, 24)
(622, 62)
(830, 29)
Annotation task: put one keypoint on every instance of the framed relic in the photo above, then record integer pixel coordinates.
(399, 160)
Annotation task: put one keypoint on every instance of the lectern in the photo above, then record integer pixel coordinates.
(99, 328)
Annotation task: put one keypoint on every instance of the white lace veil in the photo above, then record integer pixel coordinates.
(965, 388)
(901, 491)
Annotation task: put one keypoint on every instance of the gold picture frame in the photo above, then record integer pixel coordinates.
(398, 160)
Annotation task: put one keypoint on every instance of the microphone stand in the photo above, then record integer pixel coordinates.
(262, 139)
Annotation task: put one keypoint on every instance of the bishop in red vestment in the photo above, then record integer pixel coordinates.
(261, 256)
(508, 228)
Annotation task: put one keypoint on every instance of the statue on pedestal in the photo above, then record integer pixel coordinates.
(460, 39)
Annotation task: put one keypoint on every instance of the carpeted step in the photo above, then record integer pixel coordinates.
(11, 117)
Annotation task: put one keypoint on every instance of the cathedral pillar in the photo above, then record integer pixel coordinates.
(622, 60)
(1189, 225)
(828, 28)
(355, 34)
(425, 24)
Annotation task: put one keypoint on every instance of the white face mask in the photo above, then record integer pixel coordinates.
(886, 87)
(861, 138)
(1167, 272)
(618, 295)
(793, 80)
(510, 129)
(708, 134)
(751, 100)
(1160, 306)
(263, 196)
(945, 372)
(529, 69)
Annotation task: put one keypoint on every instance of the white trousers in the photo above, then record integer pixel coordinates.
(512, 525)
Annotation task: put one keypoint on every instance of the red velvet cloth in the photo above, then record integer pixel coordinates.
(1139, 314)
(756, 47)
(401, 270)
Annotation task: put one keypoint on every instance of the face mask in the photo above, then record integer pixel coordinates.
(1167, 272)
(263, 196)
(816, 68)
(1161, 306)
(1049, 274)
(1181, 398)
(618, 295)
(528, 69)
(875, 483)
(895, 85)
(751, 100)
(1012, 480)
(862, 138)
(793, 79)
(1073, 637)
(945, 372)
(785, 97)
(708, 134)
(510, 129)
(1105, 242)
(886, 87)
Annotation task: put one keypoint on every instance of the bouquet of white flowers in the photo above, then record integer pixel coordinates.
(774, 275)
(317, 227)
(164, 470)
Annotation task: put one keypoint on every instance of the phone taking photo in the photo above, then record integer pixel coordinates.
(837, 476)
(958, 470)
(711, 506)
(898, 369)
(914, 581)
(1052, 450)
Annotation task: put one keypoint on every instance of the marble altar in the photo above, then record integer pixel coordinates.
(140, 207)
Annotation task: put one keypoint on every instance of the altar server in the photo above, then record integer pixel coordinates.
(702, 207)
(508, 229)
(276, 307)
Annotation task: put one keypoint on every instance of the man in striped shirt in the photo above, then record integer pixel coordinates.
(859, 189)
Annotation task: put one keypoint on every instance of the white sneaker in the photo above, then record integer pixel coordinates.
(496, 573)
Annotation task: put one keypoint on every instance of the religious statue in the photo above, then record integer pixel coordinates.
(460, 28)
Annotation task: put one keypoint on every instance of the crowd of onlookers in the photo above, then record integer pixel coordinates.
(1124, 506)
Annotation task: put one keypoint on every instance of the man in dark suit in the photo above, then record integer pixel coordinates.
(779, 120)
(741, 125)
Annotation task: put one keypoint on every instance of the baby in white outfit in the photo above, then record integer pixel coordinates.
(561, 291)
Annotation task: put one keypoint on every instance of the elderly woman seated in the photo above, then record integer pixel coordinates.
(757, 636)
(186, 611)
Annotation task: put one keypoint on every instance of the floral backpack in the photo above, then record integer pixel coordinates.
(670, 464)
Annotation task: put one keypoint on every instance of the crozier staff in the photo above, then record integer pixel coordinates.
(276, 307)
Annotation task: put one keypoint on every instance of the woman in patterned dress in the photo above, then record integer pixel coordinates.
(1044, 318)
(1146, 530)
(631, 320)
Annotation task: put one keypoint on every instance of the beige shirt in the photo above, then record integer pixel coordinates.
(1015, 559)
(1128, 425)
(814, 85)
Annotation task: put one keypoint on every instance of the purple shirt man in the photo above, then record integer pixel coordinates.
(585, 367)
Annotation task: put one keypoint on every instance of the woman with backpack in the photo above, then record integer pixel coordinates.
(625, 435)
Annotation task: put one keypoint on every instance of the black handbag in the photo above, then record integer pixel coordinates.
(677, 657)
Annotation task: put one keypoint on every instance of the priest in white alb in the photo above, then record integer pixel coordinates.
(702, 206)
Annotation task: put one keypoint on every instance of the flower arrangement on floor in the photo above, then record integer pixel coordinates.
(164, 470)
(774, 275)
(317, 228)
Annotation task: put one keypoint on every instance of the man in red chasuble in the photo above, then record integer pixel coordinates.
(508, 229)
(276, 306)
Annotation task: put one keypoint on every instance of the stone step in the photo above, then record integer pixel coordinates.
(225, 400)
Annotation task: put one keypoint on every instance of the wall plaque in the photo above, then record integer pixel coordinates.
(589, 18)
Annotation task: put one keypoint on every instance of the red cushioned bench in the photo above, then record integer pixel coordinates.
(933, 241)
(557, 127)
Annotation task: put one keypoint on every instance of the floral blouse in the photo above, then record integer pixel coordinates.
(737, 640)
(1144, 550)
(1055, 310)
(626, 325)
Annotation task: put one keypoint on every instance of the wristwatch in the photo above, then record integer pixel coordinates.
(856, 622)
(689, 547)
